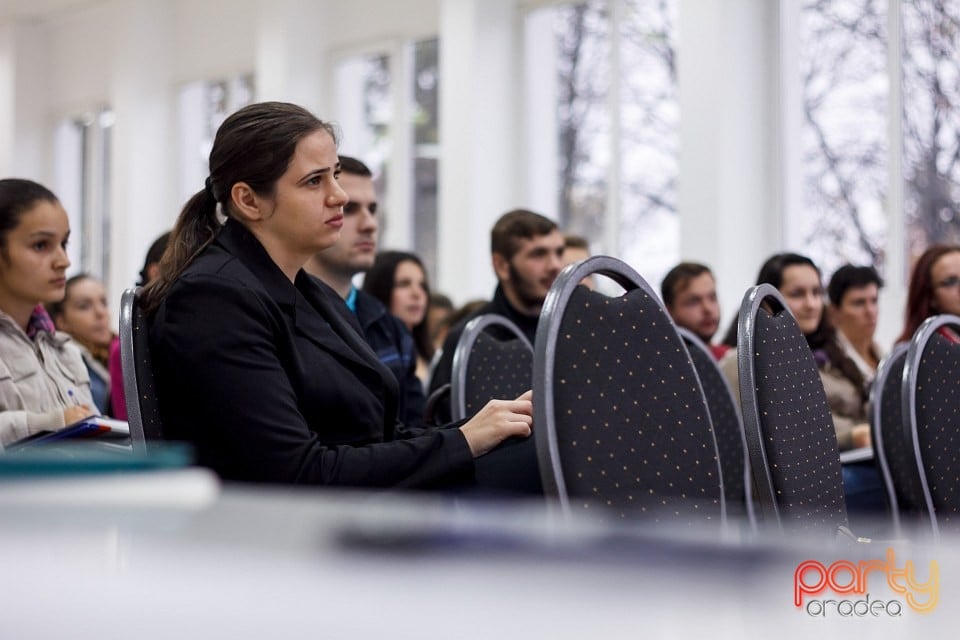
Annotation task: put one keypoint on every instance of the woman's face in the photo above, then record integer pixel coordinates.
(408, 301)
(804, 294)
(305, 213)
(945, 280)
(85, 313)
(34, 262)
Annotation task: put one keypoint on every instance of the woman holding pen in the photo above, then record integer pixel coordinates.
(43, 382)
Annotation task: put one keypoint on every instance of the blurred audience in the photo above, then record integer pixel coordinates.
(934, 289)
(527, 254)
(399, 281)
(798, 280)
(149, 273)
(355, 252)
(83, 313)
(689, 293)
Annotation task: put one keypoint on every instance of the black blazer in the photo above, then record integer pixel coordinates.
(271, 381)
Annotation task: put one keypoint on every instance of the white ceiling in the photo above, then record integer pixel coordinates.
(40, 9)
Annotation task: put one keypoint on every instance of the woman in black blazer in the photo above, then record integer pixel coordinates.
(263, 368)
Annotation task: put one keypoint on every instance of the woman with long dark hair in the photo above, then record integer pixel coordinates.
(399, 280)
(798, 279)
(263, 368)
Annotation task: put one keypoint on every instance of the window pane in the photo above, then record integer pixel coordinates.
(844, 138)
(649, 137)
(202, 108)
(582, 34)
(364, 110)
(931, 122)
(425, 116)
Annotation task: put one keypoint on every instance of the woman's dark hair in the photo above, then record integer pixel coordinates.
(17, 196)
(822, 340)
(772, 273)
(851, 277)
(379, 283)
(255, 145)
(920, 294)
(154, 253)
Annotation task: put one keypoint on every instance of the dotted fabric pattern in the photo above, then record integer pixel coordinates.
(146, 390)
(500, 369)
(938, 427)
(901, 460)
(632, 426)
(726, 426)
(796, 428)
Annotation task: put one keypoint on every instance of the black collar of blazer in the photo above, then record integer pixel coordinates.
(313, 305)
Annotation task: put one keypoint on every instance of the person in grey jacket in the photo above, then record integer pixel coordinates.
(44, 384)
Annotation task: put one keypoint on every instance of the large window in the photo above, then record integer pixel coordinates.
(203, 106)
(617, 126)
(82, 182)
(847, 85)
(931, 121)
(386, 105)
(844, 142)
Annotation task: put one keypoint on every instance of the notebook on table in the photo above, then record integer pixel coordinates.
(92, 427)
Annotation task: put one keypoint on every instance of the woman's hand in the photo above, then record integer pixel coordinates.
(860, 436)
(76, 413)
(497, 421)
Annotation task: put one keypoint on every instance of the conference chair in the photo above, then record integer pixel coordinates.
(621, 425)
(892, 449)
(493, 359)
(727, 427)
(931, 405)
(143, 414)
(789, 430)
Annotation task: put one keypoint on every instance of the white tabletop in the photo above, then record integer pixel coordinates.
(174, 555)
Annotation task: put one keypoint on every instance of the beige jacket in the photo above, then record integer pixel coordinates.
(846, 407)
(36, 380)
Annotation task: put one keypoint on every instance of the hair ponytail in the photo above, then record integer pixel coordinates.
(254, 145)
(196, 228)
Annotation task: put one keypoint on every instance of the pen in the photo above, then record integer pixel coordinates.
(73, 397)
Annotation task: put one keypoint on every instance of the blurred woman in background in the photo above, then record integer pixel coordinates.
(83, 313)
(399, 280)
(934, 289)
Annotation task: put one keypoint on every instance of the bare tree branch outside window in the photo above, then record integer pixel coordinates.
(844, 141)
(647, 118)
(931, 121)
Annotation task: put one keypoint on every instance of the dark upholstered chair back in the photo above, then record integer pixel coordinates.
(790, 434)
(931, 404)
(620, 421)
(139, 392)
(493, 359)
(893, 450)
(727, 427)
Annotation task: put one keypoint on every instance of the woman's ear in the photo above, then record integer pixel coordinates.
(246, 204)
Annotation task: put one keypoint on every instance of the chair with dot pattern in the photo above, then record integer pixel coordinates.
(931, 404)
(143, 414)
(790, 435)
(493, 359)
(621, 424)
(893, 452)
(727, 426)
